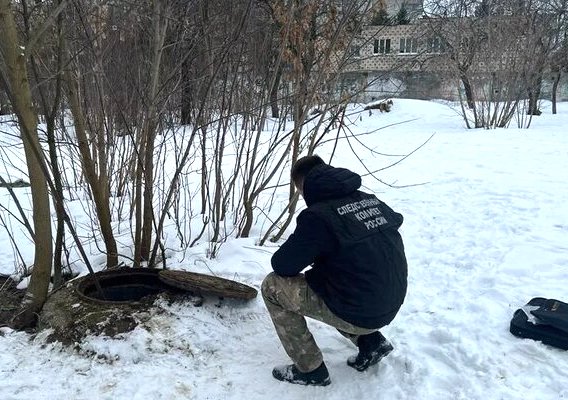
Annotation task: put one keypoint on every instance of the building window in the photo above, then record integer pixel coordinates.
(408, 46)
(382, 46)
(435, 45)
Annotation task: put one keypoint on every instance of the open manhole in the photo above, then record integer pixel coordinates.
(134, 284)
(127, 299)
(123, 285)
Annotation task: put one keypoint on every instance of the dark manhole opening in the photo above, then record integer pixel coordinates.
(125, 285)
(131, 285)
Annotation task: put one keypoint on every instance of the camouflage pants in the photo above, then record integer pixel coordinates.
(289, 300)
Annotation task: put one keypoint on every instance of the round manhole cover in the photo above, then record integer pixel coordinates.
(207, 284)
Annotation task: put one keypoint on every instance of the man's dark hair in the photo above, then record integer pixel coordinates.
(304, 165)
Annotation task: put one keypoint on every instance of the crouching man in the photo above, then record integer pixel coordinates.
(358, 276)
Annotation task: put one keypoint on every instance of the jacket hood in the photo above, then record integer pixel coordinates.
(325, 182)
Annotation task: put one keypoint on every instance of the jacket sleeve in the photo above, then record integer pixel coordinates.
(310, 239)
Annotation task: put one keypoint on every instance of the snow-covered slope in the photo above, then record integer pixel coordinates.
(486, 229)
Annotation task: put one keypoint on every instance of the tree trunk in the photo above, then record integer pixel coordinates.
(249, 217)
(186, 94)
(21, 99)
(160, 28)
(137, 202)
(534, 94)
(555, 83)
(4, 103)
(468, 91)
(274, 94)
(470, 100)
(59, 208)
(54, 94)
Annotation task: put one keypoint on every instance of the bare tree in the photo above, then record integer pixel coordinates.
(93, 157)
(313, 35)
(464, 36)
(45, 63)
(150, 126)
(499, 50)
(15, 75)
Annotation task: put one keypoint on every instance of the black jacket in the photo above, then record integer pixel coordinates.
(351, 239)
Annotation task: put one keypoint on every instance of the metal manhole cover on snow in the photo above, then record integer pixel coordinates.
(207, 284)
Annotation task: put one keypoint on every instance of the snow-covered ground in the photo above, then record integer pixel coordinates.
(486, 229)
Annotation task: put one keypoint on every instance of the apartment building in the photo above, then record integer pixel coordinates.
(399, 61)
(412, 61)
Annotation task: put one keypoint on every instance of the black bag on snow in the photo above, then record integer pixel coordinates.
(542, 319)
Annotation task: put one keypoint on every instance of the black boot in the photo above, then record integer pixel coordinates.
(372, 349)
(290, 373)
